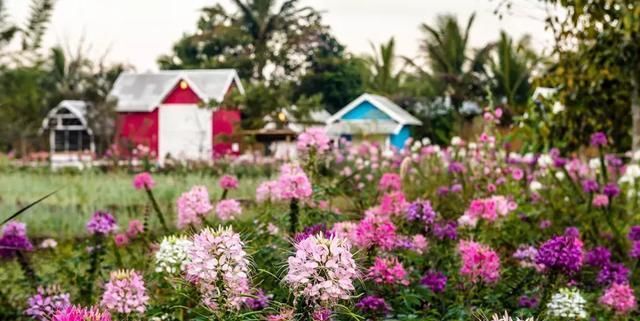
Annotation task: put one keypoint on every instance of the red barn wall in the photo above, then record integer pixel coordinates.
(224, 121)
(135, 128)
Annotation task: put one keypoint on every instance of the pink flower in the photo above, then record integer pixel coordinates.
(121, 239)
(135, 227)
(143, 180)
(479, 262)
(322, 270)
(375, 231)
(390, 181)
(517, 173)
(228, 182)
(620, 298)
(387, 271)
(489, 209)
(419, 243)
(393, 203)
(192, 206)
(313, 139)
(76, 313)
(267, 191)
(125, 293)
(228, 209)
(293, 183)
(600, 200)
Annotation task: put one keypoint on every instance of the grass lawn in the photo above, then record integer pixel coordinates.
(64, 214)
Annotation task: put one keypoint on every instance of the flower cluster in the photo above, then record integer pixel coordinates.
(143, 180)
(45, 303)
(228, 209)
(76, 313)
(101, 223)
(435, 281)
(293, 183)
(387, 271)
(563, 252)
(219, 266)
(171, 256)
(421, 211)
(192, 206)
(228, 182)
(322, 270)
(313, 139)
(479, 262)
(489, 209)
(14, 238)
(375, 231)
(125, 293)
(373, 305)
(567, 303)
(267, 191)
(390, 182)
(620, 298)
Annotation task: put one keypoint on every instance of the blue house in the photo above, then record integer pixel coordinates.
(373, 117)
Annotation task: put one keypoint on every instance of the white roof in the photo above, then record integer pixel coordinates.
(364, 127)
(77, 107)
(394, 111)
(145, 91)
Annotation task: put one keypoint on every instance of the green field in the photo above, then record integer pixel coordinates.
(64, 214)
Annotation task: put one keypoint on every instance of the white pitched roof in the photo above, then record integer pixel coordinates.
(364, 127)
(77, 107)
(394, 111)
(145, 91)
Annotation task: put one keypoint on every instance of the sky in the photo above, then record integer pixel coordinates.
(137, 32)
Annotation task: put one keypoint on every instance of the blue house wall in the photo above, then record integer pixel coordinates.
(366, 110)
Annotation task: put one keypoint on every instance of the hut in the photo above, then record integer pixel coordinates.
(373, 117)
(71, 140)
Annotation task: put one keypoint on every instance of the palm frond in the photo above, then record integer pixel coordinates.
(37, 23)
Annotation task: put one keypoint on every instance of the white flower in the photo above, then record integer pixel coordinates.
(560, 176)
(535, 186)
(455, 141)
(557, 107)
(506, 317)
(48, 244)
(545, 160)
(172, 255)
(631, 173)
(426, 141)
(636, 155)
(567, 303)
(594, 164)
(472, 146)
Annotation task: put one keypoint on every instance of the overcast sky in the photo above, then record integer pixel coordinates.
(138, 31)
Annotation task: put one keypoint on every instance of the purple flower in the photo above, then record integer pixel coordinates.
(635, 250)
(614, 161)
(445, 230)
(259, 301)
(634, 233)
(598, 139)
(435, 281)
(598, 257)
(560, 162)
(44, 304)
(590, 186)
(14, 238)
(527, 302)
(312, 230)
(421, 210)
(101, 223)
(456, 167)
(613, 273)
(612, 190)
(442, 191)
(373, 305)
(562, 253)
(456, 188)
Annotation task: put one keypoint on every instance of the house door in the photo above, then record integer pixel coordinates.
(185, 132)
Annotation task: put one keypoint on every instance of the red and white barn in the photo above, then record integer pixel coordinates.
(164, 111)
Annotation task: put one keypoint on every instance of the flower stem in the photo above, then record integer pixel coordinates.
(156, 207)
(294, 210)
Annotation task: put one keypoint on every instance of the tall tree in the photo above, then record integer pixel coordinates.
(385, 75)
(511, 66)
(456, 69)
(259, 38)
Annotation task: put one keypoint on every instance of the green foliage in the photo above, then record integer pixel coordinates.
(385, 77)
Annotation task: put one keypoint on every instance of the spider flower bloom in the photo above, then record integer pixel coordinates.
(143, 181)
(375, 231)
(435, 281)
(489, 209)
(267, 191)
(101, 223)
(479, 262)
(322, 270)
(192, 206)
(219, 266)
(293, 183)
(598, 139)
(171, 256)
(76, 313)
(620, 298)
(228, 209)
(125, 293)
(567, 304)
(421, 211)
(564, 253)
(228, 182)
(14, 238)
(390, 182)
(387, 271)
(373, 305)
(44, 304)
(600, 200)
(313, 139)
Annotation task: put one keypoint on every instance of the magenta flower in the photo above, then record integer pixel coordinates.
(390, 182)
(76, 313)
(375, 231)
(192, 206)
(388, 271)
(599, 139)
(125, 293)
(143, 180)
(435, 281)
(293, 183)
(620, 298)
(600, 200)
(228, 209)
(479, 262)
(14, 238)
(228, 182)
(101, 223)
(564, 252)
(120, 239)
(490, 209)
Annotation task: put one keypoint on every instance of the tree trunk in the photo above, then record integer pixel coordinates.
(635, 112)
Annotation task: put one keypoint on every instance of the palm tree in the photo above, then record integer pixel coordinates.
(511, 68)
(384, 78)
(30, 35)
(7, 30)
(456, 70)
